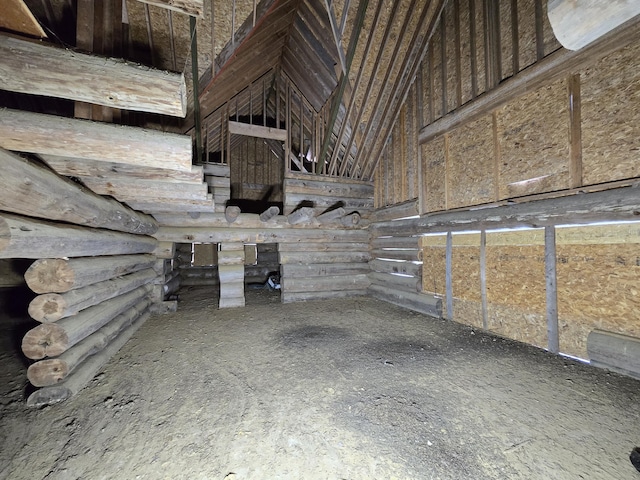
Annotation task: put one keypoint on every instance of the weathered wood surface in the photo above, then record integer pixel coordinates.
(393, 212)
(321, 247)
(409, 255)
(409, 284)
(322, 269)
(613, 351)
(164, 307)
(310, 296)
(37, 68)
(331, 216)
(343, 189)
(83, 374)
(52, 339)
(620, 204)
(395, 242)
(311, 257)
(30, 189)
(231, 213)
(302, 215)
(255, 235)
(577, 23)
(51, 307)
(217, 170)
(139, 190)
(423, 303)
(165, 250)
(70, 137)
(54, 370)
(195, 8)
(21, 237)
(292, 200)
(325, 283)
(172, 205)
(351, 220)
(82, 167)
(404, 268)
(269, 213)
(237, 128)
(57, 275)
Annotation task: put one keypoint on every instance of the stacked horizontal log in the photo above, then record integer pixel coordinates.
(231, 275)
(218, 177)
(87, 308)
(327, 194)
(396, 268)
(313, 271)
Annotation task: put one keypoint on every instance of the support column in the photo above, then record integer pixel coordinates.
(231, 274)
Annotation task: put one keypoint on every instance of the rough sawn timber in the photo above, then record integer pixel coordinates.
(195, 8)
(32, 190)
(71, 137)
(37, 68)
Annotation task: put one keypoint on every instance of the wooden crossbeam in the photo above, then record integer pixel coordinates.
(123, 188)
(195, 8)
(258, 131)
(337, 35)
(50, 134)
(40, 69)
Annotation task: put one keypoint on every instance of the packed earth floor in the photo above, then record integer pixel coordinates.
(345, 389)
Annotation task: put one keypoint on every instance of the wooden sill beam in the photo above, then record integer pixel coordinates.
(547, 70)
(69, 137)
(258, 131)
(40, 69)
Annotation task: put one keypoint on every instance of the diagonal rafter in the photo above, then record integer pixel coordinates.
(337, 35)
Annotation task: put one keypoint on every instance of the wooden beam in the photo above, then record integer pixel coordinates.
(237, 128)
(80, 167)
(620, 204)
(195, 8)
(140, 190)
(39, 69)
(577, 23)
(17, 18)
(337, 35)
(49, 134)
(551, 289)
(22, 237)
(545, 71)
(32, 190)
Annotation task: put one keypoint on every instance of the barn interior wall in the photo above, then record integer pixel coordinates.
(577, 131)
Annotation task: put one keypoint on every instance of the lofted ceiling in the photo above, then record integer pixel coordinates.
(351, 61)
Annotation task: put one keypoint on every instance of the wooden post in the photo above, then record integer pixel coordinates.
(231, 275)
(552, 295)
(29, 189)
(37, 68)
(21, 237)
(449, 276)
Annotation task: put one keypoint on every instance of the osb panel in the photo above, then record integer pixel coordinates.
(480, 57)
(551, 43)
(533, 136)
(426, 88)
(433, 174)
(516, 270)
(517, 323)
(467, 312)
(597, 278)
(465, 51)
(434, 269)
(471, 164)
(412, 143)
(465, 267)
(611, 117)
(527, 32)
(358, 58)
(506, 44)
(436, 72)
(397, 158)
(452, 55)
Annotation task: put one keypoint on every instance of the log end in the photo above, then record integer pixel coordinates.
(47, 372)
(47, 308)
(49, 396)
(46, 340)
(50, 275)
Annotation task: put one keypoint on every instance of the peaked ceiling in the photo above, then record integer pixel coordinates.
(311, 42)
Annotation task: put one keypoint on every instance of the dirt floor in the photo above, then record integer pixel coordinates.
(347, 389)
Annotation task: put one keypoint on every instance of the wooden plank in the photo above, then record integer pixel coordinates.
(311, 296)
(409, 254)
(49, 134)
(194, 8)
(140, 190)
(328, 283)
(40, 69)
(80, 167)
(419, 302)
(29, 189)
(323, 269)
(400, 282)
(551, 68)
(389, 266)
(17, 18)
(237, 128)
(21, 237)
(551, 290)
(311, 257)
(616, 352)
